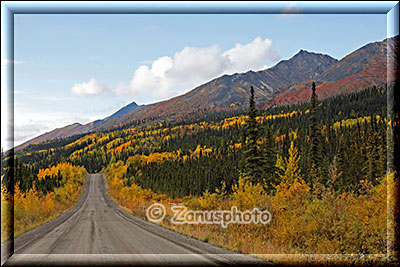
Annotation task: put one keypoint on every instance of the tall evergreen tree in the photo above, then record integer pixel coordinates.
(252, 155)
(314, 139)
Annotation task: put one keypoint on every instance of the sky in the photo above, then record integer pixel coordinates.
(79, 68)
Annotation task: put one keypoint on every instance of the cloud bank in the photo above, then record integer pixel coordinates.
(168, 76)
(27, 126)
(91, 88)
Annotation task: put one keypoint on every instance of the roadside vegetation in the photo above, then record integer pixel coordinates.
(55, 191)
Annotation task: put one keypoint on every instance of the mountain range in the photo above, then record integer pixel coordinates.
(288, 81)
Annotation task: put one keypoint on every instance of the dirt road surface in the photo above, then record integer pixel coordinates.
(97, 232)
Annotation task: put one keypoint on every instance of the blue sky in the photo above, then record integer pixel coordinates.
(78, 68)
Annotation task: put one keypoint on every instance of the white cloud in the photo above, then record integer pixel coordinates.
(251, 56)
(91, 88)
(147, 81)
(24, 132)
(197, 65)
(193, 66)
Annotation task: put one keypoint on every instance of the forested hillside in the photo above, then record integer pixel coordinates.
(352, 126)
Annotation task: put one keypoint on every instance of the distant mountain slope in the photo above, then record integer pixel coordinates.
(370, 56)
(228, 89)
(120, 113)
(128, 108)
(62, 132)
(303, 66)
(77, 128)
(367, 66)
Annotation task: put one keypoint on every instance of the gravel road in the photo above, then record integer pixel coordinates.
(97, 232)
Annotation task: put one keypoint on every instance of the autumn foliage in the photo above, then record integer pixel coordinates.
(33, 207)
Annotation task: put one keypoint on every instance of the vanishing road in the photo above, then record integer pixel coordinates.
(97, 232)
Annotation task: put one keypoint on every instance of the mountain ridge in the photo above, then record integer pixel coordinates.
(228, 89)
(286, 82)
(364, 67)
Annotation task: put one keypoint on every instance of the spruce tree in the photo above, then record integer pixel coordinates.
(259, 157)
(314, 139)
(252, 155)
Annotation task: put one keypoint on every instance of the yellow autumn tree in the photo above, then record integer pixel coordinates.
(291, 165)
(280, 164)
